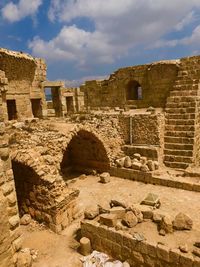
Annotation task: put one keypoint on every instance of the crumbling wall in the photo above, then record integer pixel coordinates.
(24, 74)
(155, 80)
(10, 241)
(3, 91)
(145, 129)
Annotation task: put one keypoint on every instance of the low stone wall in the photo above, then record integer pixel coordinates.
(151, 178)
(123, 246)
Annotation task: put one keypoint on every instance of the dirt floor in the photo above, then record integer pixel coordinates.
(59, 250)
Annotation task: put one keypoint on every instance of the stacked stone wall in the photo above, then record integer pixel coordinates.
(155, 79)
(123, 246)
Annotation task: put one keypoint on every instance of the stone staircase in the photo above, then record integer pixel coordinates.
(180, 121)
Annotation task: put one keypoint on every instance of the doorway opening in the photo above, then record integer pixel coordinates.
(69, 104)
(133, 91)
(36, 107)
(12, 109)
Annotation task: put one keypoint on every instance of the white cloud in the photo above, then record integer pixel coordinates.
(15, 12)
(120, 28)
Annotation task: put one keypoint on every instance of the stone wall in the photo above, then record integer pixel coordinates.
(3, 91)
(24, 74)
(155, 80)
(10, 241)
(123, 246)
(146, 129)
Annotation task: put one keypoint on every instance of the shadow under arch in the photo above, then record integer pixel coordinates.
(27, 182)
(85, 151)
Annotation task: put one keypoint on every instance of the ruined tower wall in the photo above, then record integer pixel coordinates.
(24, 74)
(155, 80)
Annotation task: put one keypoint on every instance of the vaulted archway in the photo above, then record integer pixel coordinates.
(85, 151)
(133, 91)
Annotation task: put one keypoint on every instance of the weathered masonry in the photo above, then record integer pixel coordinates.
(21, 78)
(170, 86)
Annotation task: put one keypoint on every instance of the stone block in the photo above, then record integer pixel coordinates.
(118, 211)
(109, 220)
(163, 252)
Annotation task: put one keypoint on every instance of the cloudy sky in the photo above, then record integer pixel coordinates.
(93, 38)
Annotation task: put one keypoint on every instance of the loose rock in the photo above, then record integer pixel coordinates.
(182, 222)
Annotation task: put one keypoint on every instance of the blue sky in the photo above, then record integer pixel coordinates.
(86, 39)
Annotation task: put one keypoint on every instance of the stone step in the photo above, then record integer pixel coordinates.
(182, 128)
(184, 153)
(178, 146)
(178, 99)
(180, 133)
(181, 104)
(172, 158)
(180, 116)
(180, 110)
(184, 93)
(179, 122)
(181, 140)
(176, 165)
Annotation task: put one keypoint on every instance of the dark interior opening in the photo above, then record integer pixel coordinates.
(56, 101)
(85, 151)
(26, 181)
(36, 107)
(12, 109)
(133, 91)
(69, 104)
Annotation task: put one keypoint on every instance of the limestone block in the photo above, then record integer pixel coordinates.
(105, 177)
(17, 244)
(25, 220)
(127, 162)
(118, 211)
(136, 165)
(166, 224)
(14, 222)
(109, 220)
(130, 219)
(4, 153)
(91, 212)
(182, 222)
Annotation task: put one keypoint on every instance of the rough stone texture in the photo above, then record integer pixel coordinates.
(130, 219)
(122, 246)
(155, 79)
(182, 222)
(24, 77)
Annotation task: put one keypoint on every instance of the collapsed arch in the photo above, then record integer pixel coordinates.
(85, 151)
(133, 91)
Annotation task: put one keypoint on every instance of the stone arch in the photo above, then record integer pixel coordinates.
(133, 90)
(85, 151)
(30, 185)
(26, 184)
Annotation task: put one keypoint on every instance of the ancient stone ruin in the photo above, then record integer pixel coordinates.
(138, 129)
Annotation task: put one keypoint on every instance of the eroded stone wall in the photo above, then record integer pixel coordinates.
(10, 241)
(155, 80)
(24, 74)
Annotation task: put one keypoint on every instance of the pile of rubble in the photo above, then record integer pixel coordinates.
(137, 163)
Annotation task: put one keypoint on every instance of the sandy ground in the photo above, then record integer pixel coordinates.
(59, 250)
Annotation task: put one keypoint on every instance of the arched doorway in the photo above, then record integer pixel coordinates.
(133, 91)
(85, 151)
(26, 184)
